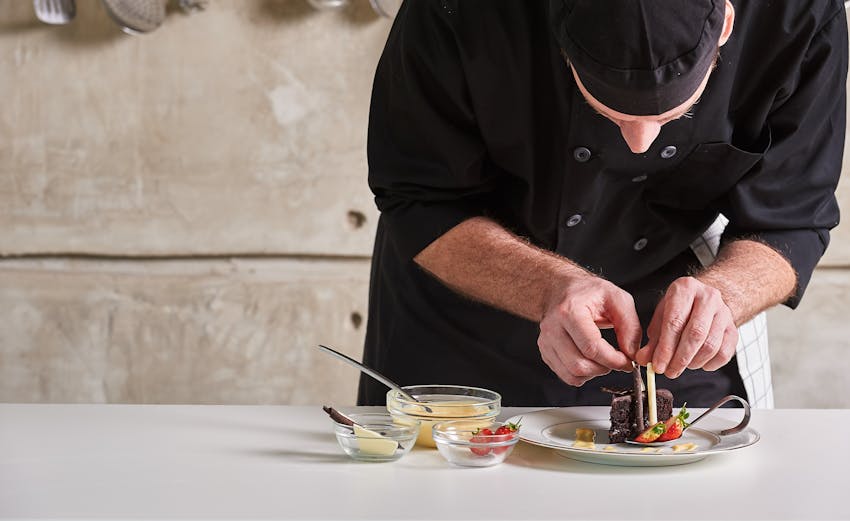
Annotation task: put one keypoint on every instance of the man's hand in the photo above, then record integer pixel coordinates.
(570, 341)
(481, 259)
(692, 328)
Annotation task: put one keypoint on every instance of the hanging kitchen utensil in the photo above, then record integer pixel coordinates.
(136, 16)
(328, 4)
(55, 12)
(192, 6)
(387, 8)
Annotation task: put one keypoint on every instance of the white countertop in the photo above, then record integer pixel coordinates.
(283, 462)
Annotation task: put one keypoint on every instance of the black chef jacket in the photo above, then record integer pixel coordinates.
(475, 112)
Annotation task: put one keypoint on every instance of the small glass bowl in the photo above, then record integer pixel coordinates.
(444, 402)
(397, 437)
(460, 444)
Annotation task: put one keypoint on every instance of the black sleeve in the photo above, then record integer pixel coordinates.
(424, 148)
(788, 200)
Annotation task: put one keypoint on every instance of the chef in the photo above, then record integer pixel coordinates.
(551, 177)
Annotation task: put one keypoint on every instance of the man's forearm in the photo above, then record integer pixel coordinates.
(482, 260)
(751, 277)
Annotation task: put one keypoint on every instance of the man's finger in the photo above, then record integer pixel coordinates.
(573, 359)
(674, 319)
(727, 350)
(588, 339)
(644, 355)
(711, 346)
(621, 310)
(692, 339)
(549, 358)
(562, 356)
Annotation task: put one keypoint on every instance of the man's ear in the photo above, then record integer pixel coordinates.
(728, 23)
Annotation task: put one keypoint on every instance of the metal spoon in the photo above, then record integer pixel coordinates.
(374, 374)
(55, 12)
(725, 432)
(136, 16)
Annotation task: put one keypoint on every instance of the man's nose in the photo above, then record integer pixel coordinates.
(639, 135)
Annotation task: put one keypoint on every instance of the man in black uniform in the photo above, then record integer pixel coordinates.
(542, 168)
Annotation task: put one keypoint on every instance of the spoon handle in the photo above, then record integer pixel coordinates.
(738, 428)
(374, 374)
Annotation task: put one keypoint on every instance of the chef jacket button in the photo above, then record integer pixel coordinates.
(668, 152)
(640, 244)
(574, 220)
(581, 154)
(639, 178)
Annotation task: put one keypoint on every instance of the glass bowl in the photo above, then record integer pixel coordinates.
(462, 444)
(444, 402)
(378, 436)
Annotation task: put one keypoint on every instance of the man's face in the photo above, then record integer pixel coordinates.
(640, 131)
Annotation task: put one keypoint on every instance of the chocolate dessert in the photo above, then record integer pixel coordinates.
(629, 417)
(624, 425)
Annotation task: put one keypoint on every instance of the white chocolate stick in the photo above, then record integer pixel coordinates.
(650, 394)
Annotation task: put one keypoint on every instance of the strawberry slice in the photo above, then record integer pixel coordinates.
(675, 425)
(652, 433)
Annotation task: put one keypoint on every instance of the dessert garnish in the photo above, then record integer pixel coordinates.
(585, 438)
(675, 426)
(650, 394)
(684, 447)
(615, 392)
(652, 433)
(638, 397)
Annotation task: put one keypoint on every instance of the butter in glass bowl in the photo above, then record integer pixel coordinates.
(376, 436)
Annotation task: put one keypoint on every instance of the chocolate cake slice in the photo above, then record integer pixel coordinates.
(624, 423)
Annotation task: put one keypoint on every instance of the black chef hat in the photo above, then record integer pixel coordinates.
(639, 57)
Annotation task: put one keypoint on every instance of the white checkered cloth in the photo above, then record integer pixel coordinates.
(752, 351)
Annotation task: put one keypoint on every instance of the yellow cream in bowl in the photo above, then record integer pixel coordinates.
(444, 402)
(449, 411)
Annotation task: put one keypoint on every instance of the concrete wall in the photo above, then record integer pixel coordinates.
(184, 214)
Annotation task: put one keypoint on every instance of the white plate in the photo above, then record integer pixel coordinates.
(556, 429)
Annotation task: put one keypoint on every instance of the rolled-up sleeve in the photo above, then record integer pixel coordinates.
(424, 148)
(787, 200)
